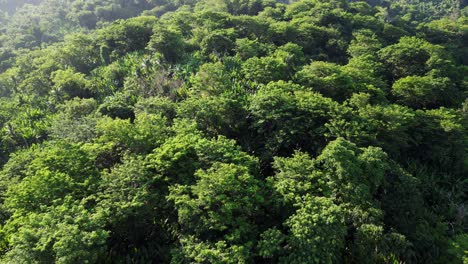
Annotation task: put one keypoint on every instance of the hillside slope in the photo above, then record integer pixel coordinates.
(233, 131)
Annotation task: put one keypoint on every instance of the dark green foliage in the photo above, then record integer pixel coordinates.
(287, 117)
(425, 92)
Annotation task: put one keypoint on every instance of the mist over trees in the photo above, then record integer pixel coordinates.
(233, 131)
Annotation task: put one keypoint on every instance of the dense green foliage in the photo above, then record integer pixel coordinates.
(233, 131)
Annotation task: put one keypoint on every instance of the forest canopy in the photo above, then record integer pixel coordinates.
(233, 131)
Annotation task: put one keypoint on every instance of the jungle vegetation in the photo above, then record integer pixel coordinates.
(233, 131)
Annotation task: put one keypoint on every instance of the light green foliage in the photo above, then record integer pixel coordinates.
(179, 157)
(280, 65)
(246, 48)
(224, 197)
(365, 42)
(317, 231)
(51, 176)
(359, 175)
(26, 127)
(145, 133)
(326, 78)
(459, 246)
(365, 73)
(220, 252)
(385, 126)
(69, 84)
(57, 227)
(220, 207)
(296, 176)
(214, 79)
(315, 188)
(68, 233)
(264, 69)
(341, 168)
